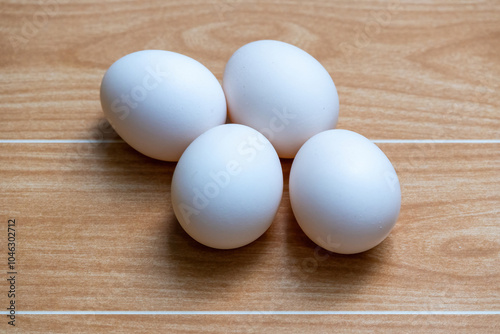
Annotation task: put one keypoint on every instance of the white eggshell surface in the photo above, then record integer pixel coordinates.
(227, 186)
(281, 91)
(344, 192)
(160, 101)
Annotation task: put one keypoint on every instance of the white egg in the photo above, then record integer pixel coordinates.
(227, 186)
(281, 91)
(344, 192)
(160, 101)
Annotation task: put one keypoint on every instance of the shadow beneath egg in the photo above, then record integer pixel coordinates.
(124, 168)
(204, 273)
(179, 260)
(329, 275)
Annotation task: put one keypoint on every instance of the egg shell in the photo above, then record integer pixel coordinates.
(344, 192)
(227, 186)
(281, 91)
(160, 101)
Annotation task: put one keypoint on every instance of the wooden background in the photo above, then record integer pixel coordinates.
(96, 230)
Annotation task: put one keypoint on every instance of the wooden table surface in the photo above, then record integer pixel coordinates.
(98, 248)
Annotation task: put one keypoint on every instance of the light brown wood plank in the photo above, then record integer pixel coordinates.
(96, 232)
(258, 324)
(419, 70)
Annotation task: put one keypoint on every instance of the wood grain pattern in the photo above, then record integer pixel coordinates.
(96, 231)
(410, 70)
(259, 324)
